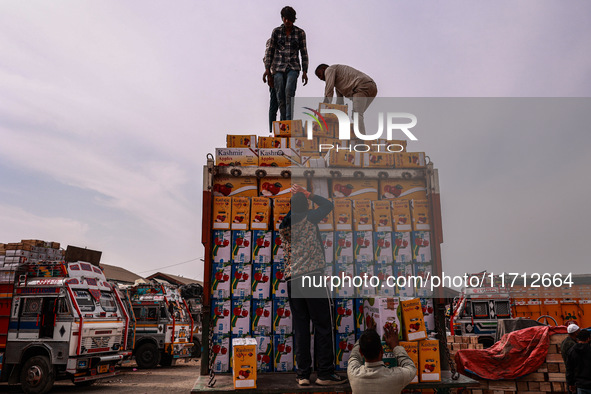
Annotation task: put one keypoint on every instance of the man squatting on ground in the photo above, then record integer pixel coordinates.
(304, 255)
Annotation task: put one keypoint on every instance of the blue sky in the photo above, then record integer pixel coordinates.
(108, 109)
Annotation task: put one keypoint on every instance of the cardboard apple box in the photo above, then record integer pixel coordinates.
(225, 186)
(421, 246)
(328, 244)
(383, 271)
(425, 271)
(429, 361)
(241, 247)
(262, 246)
(277, 249)
(355, 189)
(401, 218)
(279, 281)
(260, 213)
(421, 220)
(402, 247)
(406, 189)
(264, 353)
(384, 311)
(288, 128)
(273, 142)
(244, 363)
(239, 157)
(362, 215)
(241, 141)
(281, 207)
(344, 247)
(282, 319)
(428, 313)
(222, 246)
(221, 352)
(323, 130)
(221, 310)
(409, 160)
(279, 157)
(304, 144)
(382, 246)
(359, 320)
(240, 213)
(363, 246)
(412, 349)
(343, 214)
(382, 215)
(331, 118)
(262, 317)
(378, 160)
(221, 281)
(274, 187)
(404, 289)
(241, 280)
(341, 157)
(344, 344)
(283, 352)
(341, 270)
(413, 320)
(344, 315)
(365, 270)
(222, 213)
(261, 280)
(240, 316)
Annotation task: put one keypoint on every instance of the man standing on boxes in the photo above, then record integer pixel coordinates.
(351, 83)
(282, 57)
(304, 257)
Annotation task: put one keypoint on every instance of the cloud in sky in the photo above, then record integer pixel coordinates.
(108, 109)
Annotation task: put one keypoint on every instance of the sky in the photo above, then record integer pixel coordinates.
(109, 108)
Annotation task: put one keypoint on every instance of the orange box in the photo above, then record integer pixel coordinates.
(304, 144)
(413, 320)
(244, 363)
(362, 216)
(275, 187)
(288, 128)
(421, 220)
(401, 218)
(323, 130)
(222, 213)
(236, 157)
(331, 117)
(343, 214)
(241, 141)
(240, 213)
(403, 188)
(409, 160)
(412, 349)
(235, 186)
(355, 188)
(429, 361)
(378, 160)
(273, 142)
(327, 223)
(279, 157)
(382, 215)
(260, 213)
(343, 158)
(281, 207)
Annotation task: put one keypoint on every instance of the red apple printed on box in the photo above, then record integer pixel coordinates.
(261, 281)
(240, 316)
(261, 252)
(261, 317)
(264, 353)
(220, 286)
(282, 319)
(220, 316)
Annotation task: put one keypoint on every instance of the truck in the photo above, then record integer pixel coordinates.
(193, 295)
(58, 320)
(161, 327)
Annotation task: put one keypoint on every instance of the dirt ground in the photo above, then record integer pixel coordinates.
(178, 378)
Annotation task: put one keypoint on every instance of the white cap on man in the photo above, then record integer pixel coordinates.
(572, 328)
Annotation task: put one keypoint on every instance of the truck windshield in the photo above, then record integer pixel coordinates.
(84, 300)
(108, 302)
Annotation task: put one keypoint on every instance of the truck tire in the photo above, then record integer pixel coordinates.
(37, 375)
(196, 348)
(147, 356)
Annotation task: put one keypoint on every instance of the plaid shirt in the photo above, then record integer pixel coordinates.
(283, 50)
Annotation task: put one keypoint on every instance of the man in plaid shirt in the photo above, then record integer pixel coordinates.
(282, 61)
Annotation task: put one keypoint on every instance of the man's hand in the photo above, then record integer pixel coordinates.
(295, 188)
(266, 74)
(370, 324)
(391, 336)
(305, 78)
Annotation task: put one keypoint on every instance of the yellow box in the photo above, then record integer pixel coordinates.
(409, 160)
(401, 218)
(288, 128)
(235, 186)
(355, 189)
(241, 141)
(343, 158)
(327, 223)
(421, 220)
(391, 145)
(244, 363)
(378, 160)
(222, 213)
(403, 188)
(260, 213)
(273, 142)
(236, 157)
(412, 349)
(281, 207)
(303, 143)
(413, 320)
(280, 157)
(240, 213)
(330, 129)
(330, 118)
(343, 214)
(382, 216)
(429, 361)
(275, 187)
(362, 216)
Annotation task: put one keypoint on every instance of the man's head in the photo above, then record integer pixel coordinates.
(299, 203)
(320, 71)
(573, 330)
(583, 336)
(288, 16)
(370, 346)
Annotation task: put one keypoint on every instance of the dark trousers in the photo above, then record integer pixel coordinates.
(319, 311)
(273, 107)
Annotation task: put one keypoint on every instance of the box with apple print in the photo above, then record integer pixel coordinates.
(262, 317)
(279, 284)
(382, 247)
(345, 273)
(277, 248)
(262, 252)
(221, 320)
(221, 281)
(240, 321)
(241, 280)
(222, 246)
(428, 313)
(404, 288)
(221, 352)
(328, 244)
(261, 281)
(402, 247)
(344, 345)
(282, 318)
(425, 271)
(365, 270)
(344, 316)
(344, 247)
(241, 246)
(421, 246)
(264, 353)
(363, 246)
(359, 320)
(283, 352)
(383, 271)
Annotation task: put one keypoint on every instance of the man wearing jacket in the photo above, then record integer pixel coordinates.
(304, 256)
(578, 364)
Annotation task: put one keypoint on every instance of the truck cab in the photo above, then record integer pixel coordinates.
(59, 321)
(161, 328)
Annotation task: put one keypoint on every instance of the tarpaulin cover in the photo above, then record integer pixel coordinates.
(516, 354)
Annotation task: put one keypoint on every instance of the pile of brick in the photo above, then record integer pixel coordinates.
(460, 342)
(550, 377)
